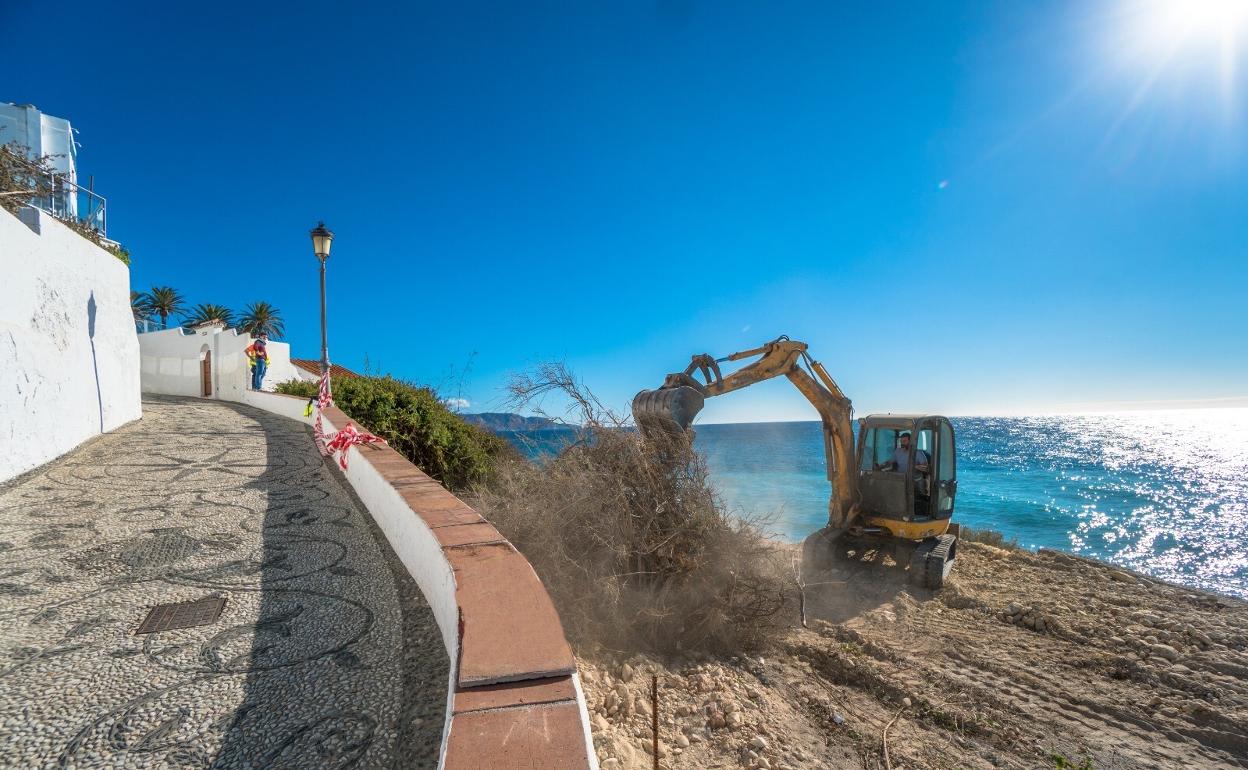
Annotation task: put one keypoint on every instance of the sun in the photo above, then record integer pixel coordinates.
(1187, 27)
(1185, 53)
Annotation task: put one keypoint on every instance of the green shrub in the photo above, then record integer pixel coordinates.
(415, 422)
(988, 536)
(300, 388)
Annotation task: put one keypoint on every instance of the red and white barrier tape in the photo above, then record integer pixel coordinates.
(348, 437)
(342, 440)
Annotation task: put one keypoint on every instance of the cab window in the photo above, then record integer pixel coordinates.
(878, 447)
(924, 442)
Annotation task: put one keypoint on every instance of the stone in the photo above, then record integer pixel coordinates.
(647, 746)
(759, 742)
(682, 740)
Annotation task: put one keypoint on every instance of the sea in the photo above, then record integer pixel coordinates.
(1161, 492)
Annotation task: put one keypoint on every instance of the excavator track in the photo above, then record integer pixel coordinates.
(932, 560)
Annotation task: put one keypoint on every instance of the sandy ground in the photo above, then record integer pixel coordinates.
(1023, 660)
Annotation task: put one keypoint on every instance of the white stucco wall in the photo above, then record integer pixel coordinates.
(171, 362)
(69, 359)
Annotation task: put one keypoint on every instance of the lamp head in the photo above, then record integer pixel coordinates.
(322, 239)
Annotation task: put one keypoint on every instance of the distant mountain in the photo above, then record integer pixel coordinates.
(505, 421)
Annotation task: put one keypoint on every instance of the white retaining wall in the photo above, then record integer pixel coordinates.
(69, 357)
(171, 360)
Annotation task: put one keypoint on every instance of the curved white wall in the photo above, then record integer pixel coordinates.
(171, 362)
(69, 357)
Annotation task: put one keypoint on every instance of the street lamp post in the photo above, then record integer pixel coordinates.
(322, 239)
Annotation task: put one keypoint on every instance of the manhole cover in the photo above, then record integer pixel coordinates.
(165, 617)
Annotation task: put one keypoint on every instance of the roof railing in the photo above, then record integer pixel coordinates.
(63, 198)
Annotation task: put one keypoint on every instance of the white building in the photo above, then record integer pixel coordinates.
(44, 135)
(208, 361)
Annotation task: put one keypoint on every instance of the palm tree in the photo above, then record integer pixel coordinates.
(262, 318)
(139, 306)
(206, 311)
(165, 301)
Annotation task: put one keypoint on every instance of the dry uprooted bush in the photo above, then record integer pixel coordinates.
(631, 541)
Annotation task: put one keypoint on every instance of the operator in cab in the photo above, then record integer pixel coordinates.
(901, 457)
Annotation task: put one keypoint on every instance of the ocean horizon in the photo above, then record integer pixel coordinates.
(1164, 492)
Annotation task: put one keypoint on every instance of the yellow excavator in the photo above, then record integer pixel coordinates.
(897, 489)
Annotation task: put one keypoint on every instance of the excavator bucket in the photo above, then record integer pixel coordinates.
(666, 410)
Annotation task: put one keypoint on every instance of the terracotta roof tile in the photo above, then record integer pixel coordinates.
(314, 367)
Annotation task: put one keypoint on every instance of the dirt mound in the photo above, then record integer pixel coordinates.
(1024, 660)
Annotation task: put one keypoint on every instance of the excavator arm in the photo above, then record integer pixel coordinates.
(674, 405)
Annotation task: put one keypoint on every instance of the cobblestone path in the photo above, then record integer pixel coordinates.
(325, 655)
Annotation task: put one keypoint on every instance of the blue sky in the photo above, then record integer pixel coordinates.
(964, 208)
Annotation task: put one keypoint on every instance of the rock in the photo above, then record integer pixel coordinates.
(648, 746)
(1013, 609)
(609, 764)
(682, 740)
(759, 742)
(626, 672)
(733, 719)
(622, 748)
(717, 721)
(905, 702)
(600, 725)
(1164, 651)
(837, 719)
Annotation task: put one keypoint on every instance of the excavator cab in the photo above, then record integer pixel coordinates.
(907, 469)
(907, 485)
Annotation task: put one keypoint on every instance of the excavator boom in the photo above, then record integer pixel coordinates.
(672, 407)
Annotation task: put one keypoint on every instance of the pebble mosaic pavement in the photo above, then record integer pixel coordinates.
(326, 655)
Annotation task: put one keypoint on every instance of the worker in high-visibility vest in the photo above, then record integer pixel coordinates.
(258, 355)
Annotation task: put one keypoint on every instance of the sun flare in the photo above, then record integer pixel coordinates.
(1170, 28)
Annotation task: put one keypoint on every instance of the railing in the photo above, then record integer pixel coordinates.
(69, 200)
(52, 192)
